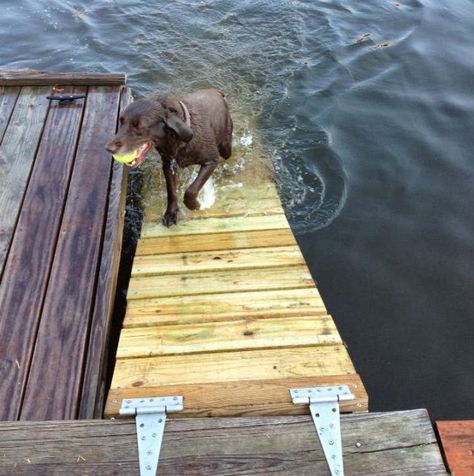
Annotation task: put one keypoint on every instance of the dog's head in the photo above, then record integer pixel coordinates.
(144, 124)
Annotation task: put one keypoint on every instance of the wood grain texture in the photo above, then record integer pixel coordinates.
(8, 98)
(17, 153)
(255, 398)
(220, 282)
(216, 225)
(395, 443)
(32, 250)
(231, 200)
(224, 307)
(30, 77)
(223, 336)
(219, 241)
(233, 366)
(93, 391)
(62, 335)
(457, 440)
(236, 259)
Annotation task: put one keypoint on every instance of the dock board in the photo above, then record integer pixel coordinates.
(457, 439)
(376, 444)
(62, 205)
(223, 310)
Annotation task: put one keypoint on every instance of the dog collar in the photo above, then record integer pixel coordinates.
(187, 116)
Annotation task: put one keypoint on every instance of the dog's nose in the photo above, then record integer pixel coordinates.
(113, 147)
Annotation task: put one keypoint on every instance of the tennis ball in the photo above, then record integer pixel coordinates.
(126, 158)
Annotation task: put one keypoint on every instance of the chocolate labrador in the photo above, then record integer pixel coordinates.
(189, 130)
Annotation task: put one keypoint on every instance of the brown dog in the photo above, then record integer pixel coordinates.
(188, 130)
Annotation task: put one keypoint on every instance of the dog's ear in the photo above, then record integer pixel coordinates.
(176, 124)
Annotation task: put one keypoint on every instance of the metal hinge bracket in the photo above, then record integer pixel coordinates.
(150, 419)
(324, 407)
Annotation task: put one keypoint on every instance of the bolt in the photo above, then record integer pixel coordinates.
(358, 445)
(148, 467)
(143, 438)
(331, 442)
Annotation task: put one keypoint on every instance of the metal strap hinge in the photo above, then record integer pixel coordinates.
(150, 419)
(324, 407)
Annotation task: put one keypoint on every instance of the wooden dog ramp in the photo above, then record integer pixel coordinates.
(223, 311)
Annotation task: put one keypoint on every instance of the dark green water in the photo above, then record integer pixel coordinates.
(368, 111)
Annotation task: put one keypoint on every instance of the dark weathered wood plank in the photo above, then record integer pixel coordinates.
(8, 97)
(32, 250)
(457, 439)
(29, 77)
(396, 443)
(17, 153)
(93, 391)
(63, 331)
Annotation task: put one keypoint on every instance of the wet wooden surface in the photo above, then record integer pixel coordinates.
(61, 225)
(223, 310)
(376, 444)
(457, 441)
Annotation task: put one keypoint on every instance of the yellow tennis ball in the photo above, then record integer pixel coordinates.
(126, 158)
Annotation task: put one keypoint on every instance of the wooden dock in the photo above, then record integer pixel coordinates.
(222, 310)
(457, 439)
(374, 444)
(61, 218)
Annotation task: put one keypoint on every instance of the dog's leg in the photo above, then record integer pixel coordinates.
(190, 196)
(171, 215)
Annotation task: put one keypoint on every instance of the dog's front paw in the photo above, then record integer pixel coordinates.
(191, 201)
(170, 218)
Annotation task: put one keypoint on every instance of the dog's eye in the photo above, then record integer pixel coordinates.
(172, 109)
(135, 123)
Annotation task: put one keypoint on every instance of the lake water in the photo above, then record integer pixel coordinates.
(366, 109)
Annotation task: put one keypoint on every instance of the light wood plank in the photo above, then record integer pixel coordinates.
(216, 225)
(224, 336)
(251, 397)
(176, 263)
(32, 250)
(231, 200)
(224, 307)
(233, 366)
(220, 282)
(216, 241)
(8, 98)
(63, 332)
(17, 153)
(31, 77)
